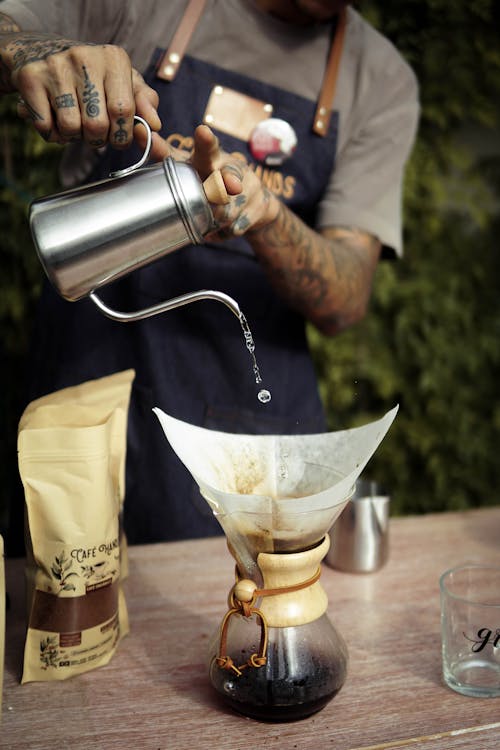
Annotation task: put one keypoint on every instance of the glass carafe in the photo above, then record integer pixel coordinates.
(277, 655)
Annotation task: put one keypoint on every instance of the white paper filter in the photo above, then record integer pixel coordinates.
(284, 490)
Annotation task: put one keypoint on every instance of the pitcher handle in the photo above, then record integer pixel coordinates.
(183, 299)
(144, 157)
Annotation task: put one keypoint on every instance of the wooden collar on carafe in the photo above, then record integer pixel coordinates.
(169, 64)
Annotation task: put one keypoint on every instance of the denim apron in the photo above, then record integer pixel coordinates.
(192, 362)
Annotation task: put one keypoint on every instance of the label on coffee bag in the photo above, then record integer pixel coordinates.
(78, 611)
(67, 641)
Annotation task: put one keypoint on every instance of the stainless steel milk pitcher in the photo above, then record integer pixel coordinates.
(89, 236)
(360, 536)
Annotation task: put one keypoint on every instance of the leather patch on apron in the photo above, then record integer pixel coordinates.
(234, 113)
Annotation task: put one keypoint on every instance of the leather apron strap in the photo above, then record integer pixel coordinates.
(326, 96)
(170, 61)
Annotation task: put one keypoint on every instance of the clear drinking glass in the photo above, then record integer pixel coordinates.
(470, 629)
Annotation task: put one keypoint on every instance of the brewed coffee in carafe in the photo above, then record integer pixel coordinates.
(276, 655)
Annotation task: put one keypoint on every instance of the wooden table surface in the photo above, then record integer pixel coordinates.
(155, 693)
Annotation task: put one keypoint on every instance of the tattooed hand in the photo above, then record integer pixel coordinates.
(251, 206)
(325, 275)
(70, 90)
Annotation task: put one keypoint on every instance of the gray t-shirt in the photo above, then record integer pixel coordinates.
(376, 94)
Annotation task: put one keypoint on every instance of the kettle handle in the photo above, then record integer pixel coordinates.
(214, 187)
(183, 299)
(145, 155)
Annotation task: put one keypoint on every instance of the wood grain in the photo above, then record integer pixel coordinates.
(155, 692)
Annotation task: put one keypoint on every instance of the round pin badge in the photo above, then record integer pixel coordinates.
(272, 141)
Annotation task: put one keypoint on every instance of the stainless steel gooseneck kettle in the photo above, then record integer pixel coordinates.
(89, 236)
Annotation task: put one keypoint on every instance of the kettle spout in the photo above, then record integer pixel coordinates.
(183, 299)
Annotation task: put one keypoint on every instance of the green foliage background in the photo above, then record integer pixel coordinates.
(431, 341)
(28, 168)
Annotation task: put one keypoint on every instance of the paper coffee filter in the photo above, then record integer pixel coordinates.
(289, 488)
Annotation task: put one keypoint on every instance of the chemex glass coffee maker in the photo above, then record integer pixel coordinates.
(276, 655)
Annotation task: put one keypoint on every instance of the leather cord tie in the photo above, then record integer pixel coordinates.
(241, 600)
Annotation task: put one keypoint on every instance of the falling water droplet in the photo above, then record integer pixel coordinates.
(264, 396)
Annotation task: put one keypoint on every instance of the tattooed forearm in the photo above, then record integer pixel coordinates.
(302, 275)
(326, 278)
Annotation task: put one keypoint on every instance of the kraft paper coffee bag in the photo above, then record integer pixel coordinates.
(72, 463)
(87, 404)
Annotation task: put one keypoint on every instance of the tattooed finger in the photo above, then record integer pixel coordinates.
(67, 114)
(90, 96)
(234, 168)
(64, 101)
(92, 109)
(241, 224)
(22, 112)
(27, 111)
(222, 215)
(40, 114)
(120, 131)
